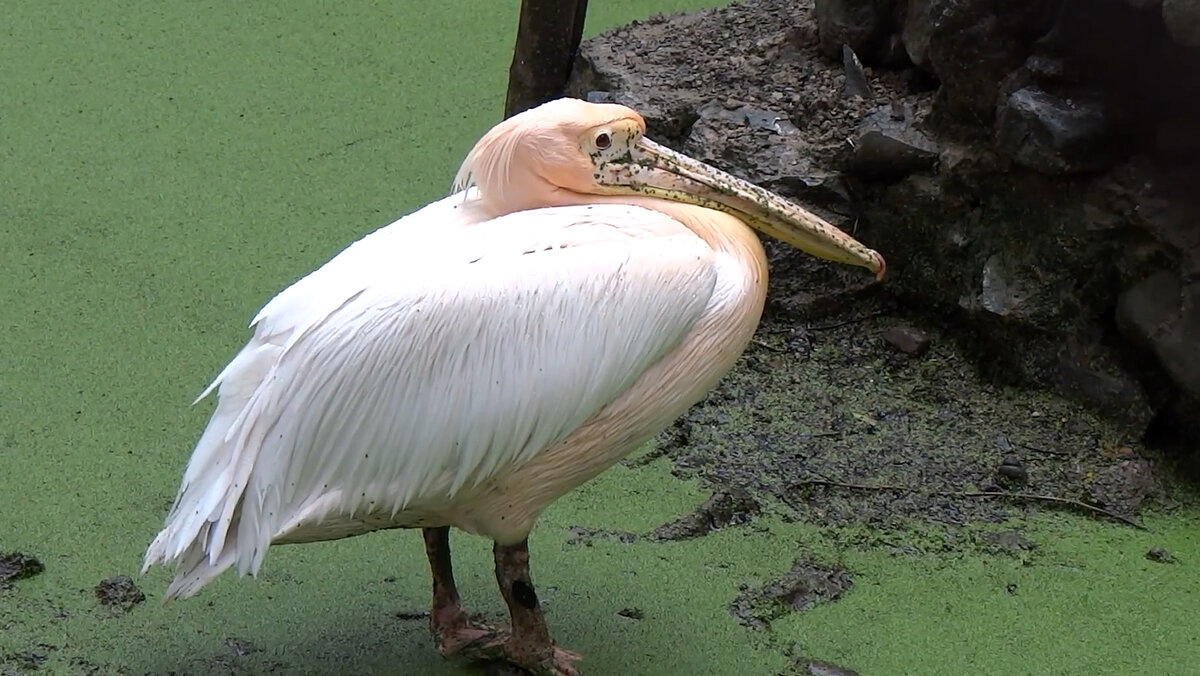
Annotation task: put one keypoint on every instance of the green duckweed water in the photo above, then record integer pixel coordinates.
(169, 166)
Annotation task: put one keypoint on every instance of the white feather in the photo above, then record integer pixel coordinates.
(426, 358)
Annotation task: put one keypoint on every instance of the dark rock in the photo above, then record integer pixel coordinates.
(887, 148)
(632, 613)
(1013, 470)
(119, 592)
(1182, 18)
(907, 339)
(1178, 138)
(971, 45)
(1052, 134)
(863, 25)
(1111, 390)
(1163, 315)
(18, 566)
(1045, 68)
(856, 77)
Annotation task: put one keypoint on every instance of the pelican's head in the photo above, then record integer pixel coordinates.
(562, 151)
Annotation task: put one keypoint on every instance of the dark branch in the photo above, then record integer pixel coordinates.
(548, 38)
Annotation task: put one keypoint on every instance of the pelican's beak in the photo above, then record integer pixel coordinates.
(654, 170)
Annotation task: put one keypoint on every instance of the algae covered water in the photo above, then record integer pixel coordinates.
(170, 166)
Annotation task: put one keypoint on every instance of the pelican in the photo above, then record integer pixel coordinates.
(479, 358)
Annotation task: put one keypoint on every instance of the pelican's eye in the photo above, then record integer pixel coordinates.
(603, 140)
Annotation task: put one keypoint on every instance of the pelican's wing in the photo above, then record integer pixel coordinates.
(402, 372)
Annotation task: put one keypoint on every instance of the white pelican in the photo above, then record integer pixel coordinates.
(477, 359)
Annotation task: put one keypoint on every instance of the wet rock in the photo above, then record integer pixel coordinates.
(1053, 134)
(806, 585)
(1003, 290)
(887, 147)
(18, 566)
(119, 592)
(907, 339)
(866, 26)
(1182, 18)
(1163, 314)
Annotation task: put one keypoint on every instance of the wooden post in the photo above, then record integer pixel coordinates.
(548, 38)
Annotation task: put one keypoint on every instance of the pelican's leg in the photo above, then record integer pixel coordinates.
(451, 626)
(525, 644)
(528, 645)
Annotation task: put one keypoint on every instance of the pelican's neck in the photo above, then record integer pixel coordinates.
(719, 230)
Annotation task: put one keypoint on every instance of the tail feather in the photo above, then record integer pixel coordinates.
(199, 535)
(194, 570)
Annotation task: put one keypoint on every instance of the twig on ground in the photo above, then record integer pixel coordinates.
(1031, 497)
(1038, 449)
(767, 346)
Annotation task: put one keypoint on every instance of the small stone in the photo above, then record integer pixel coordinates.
(1012, 469)
(1002, 291)
(907, 339)
(1160, 555)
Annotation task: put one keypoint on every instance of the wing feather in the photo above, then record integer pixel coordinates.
(408, 369)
